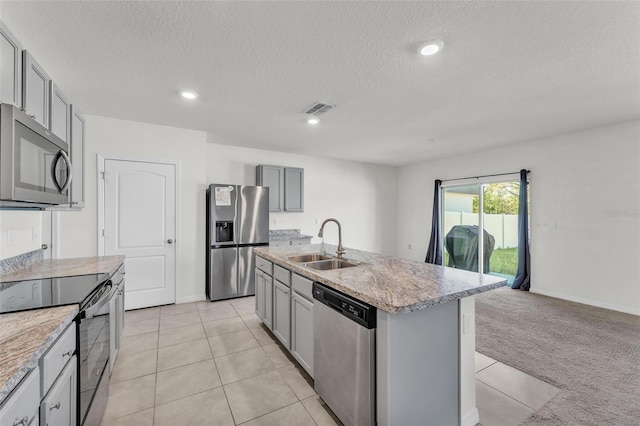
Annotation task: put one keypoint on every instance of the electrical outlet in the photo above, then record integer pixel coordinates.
(409, 246)
(35, 234)
(275, 221)
(11, 236)
(467, 323)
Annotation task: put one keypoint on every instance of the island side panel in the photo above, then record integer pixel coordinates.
(417, 367)
(469, 415)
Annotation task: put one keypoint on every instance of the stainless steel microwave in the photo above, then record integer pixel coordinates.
(35, 169)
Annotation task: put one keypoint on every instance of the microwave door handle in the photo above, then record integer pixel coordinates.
(54, 163)
(69, 172)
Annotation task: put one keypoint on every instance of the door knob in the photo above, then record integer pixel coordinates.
(170, 241)
(44, 247)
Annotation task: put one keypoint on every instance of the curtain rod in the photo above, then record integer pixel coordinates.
(482, 176)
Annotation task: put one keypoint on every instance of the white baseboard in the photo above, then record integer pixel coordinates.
(190, 299)
(472, 418)
(590, 302)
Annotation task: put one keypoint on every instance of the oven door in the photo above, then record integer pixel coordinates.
(94, 354)
(35, 163)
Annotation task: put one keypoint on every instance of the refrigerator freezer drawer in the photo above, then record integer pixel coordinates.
(223, 280)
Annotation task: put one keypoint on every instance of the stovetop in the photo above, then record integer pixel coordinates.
(49, 292)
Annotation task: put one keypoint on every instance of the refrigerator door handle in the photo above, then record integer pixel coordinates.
(236, 225)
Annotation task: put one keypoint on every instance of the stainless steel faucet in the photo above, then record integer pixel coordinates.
(341, 249)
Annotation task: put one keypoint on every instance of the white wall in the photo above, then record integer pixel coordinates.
(21, 226)
(585, 210)
(361, 196)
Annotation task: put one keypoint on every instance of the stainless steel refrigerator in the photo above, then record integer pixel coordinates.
(237, 221)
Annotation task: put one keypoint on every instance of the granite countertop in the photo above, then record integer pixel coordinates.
(25, 337)
(287, 234)
(65, 267)
(392, 284)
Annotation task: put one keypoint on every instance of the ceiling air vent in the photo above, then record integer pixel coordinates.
(318, 109)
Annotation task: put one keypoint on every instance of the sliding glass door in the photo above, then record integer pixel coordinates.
(480, 228)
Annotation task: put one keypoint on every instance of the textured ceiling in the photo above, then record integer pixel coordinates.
(509, 72)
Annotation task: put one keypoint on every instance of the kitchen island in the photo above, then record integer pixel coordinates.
(425, 336)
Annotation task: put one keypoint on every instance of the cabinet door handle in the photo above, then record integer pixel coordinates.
(170, 241)
(22, 421)
(67, 353)
(54, 406)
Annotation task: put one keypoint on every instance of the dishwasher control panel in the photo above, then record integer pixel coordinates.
(358, 311)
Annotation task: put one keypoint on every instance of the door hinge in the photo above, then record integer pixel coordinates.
(103, 174)
(103, 232)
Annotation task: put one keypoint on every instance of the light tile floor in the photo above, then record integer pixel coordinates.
(208, 364)
(215, 364)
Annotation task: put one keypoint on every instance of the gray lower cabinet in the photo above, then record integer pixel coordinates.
(11, 69)
(58, 407)
(264, 291)
(282, 313)
(116, 316)
(259, 294)
(268, 302)
(296, 242)
(284, 303)
(264, 298)
(48, 395)
(302, 331)
(21, 408)
(286, 187)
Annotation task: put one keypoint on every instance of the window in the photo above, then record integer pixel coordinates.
(489, 209)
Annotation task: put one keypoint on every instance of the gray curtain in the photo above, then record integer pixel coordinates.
(434, 253)
(522, 280)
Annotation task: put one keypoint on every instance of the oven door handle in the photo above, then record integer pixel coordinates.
(91, 311)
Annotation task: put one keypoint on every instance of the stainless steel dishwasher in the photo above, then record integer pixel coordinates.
(344, 355)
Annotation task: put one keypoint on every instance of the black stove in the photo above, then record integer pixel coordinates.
(49, 292)
(92, 293)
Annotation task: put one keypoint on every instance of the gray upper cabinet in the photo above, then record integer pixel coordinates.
(35, 89)
(286, 187)
(59, 113)
(10, 68)
(293, 189)
(273, 178)
(77, 158)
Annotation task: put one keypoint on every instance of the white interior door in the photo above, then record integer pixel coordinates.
(139, 222)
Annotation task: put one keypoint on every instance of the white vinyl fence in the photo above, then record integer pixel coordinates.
(503, 227)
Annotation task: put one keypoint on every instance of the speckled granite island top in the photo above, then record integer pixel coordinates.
(24, 337)
(392, 284)
(65, 267)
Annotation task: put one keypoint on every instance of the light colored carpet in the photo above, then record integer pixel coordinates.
(591, 354)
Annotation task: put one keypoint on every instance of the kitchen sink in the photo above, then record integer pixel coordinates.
(312, 257)
(324, 265)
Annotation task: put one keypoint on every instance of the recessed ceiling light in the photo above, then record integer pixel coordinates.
(430, 47)
(187, 94)
(313, 121)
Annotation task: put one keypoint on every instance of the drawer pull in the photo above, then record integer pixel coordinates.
(54, 406)
(67, 353)
(22, 421)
